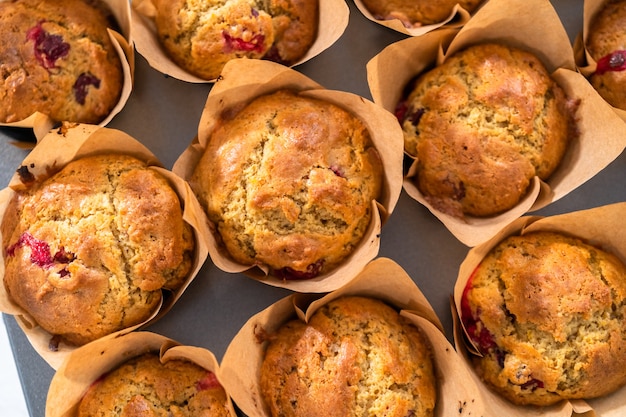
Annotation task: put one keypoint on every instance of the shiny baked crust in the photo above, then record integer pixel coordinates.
(414, 13)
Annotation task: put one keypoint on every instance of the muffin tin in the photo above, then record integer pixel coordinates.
(163, 113)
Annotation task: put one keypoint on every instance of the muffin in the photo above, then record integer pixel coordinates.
(289, 183)
(143, 386)
(546, 312)
(57, 58)
(355, 357)
(481, 126)
(606, 43)
(201, 36)
(417, 13)
(90, 250)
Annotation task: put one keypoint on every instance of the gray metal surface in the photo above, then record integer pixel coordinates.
(163, 113)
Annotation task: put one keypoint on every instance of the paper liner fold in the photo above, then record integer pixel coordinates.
(41, 123)
(532, 25)
(381, 279)
(245, 79)
(333, 21)
(584, 61)
(85, 365)
(52, 153)
(600, 227)
(457, 18)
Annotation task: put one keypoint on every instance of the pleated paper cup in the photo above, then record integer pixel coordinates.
(382, 280)
(601, 227)
(244, 80)
(50, 155)
(534, 26)
(86, 365)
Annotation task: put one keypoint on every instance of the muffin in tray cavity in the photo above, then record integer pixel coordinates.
(90, 250)
(355, 357)
(56, 57)
(482, 125)
(144, 386)
(289, 182)
(546, 311)
(201, 36)
(415, 13)
(606, 43)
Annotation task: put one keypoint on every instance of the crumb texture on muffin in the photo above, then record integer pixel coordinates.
(145, 387)
(89, 250)
(482, 125)
(201, 36)
(606, 43)
(356, 357)
(415, 13)
(289, 183)
(547, 312)
(57, 58)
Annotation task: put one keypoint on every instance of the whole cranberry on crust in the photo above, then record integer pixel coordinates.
(546, 312)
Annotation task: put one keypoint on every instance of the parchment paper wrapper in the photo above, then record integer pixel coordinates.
(601, 227)
(333, 21)
(381, 279)
(245, 79)
(457, 18)
(85, 365)
(532, 25)
(585, 62)
(42, 123)
(51, 154)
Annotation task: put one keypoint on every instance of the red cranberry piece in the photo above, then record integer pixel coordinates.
(401, 110)
(532, 384)
(40, 253)
(337, 171)
(273, 55)
(208, 382)
(288, 273)
(48, 48)
(615, 61)
(237, 44)
(83, 81)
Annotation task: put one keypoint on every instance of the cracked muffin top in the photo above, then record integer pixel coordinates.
(482, 125)
(201, 36)
(356, 356)
(415, 13)
(89, 250)
(546, 311)
(57, 58)
(289, 183)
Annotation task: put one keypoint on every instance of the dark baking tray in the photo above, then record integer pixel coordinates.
(163, 113)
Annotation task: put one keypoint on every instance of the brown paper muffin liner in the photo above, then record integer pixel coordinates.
(381, 279)
(333, 21)
(53, 152)
(457, 18)
(584, 61)
(245, 79)
(85, 365)
(599, 226)
(41, 123)
(532, 25)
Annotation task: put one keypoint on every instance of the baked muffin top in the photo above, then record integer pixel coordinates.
(415, 13)
(355, 357)
(89, 250)
(289, 183)
(546, 312)
(482, 125)
(57, 58)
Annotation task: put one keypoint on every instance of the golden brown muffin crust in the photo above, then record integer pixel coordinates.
(57, 58)
(289, 182)
(547, 311)
(355, 357)
(482, 125)
(414, 13)
(145, 387)
(89, 250)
